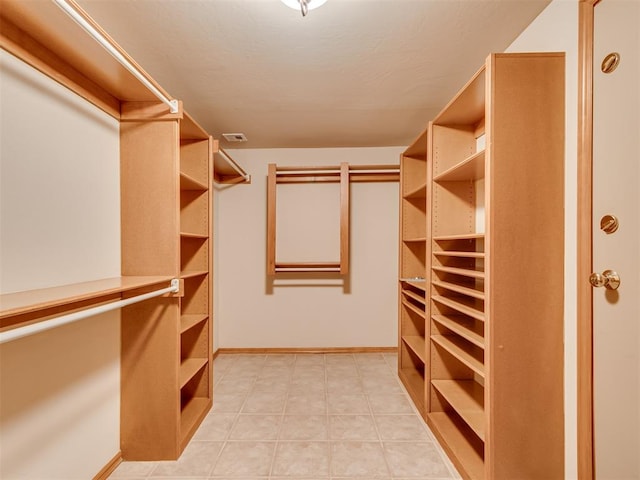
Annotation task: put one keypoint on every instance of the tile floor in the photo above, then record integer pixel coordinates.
(305, 417)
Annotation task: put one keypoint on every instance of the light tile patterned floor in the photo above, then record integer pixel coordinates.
(305, 417)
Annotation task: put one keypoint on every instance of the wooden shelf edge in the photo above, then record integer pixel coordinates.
(96, 291)
(414, 309)
(459, 329)
(189, 183)
(464, 290)
(465, 272)
(418, 298)
(192, 414)
(417, 345)
(414, 385)
(189, 367)
(194, 235)
(462, 454)
(226, 170)
(459, 306)
(188, 321)
(416, 193)
(197, 273)
(471, 168)
(451, 345)
(461, 236)
(466, 397)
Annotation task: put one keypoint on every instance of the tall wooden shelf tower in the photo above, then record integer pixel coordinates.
(492, 348)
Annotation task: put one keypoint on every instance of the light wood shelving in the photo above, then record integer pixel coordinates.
(167, 227)
(493, 201)
(412, 317)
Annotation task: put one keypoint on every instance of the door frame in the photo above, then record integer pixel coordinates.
(586, 458)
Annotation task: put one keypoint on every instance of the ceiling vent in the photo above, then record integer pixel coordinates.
(234, 137)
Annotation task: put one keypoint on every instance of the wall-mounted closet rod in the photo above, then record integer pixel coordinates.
(115, 53)
(234, 165)
(19, 332)
(335, 172)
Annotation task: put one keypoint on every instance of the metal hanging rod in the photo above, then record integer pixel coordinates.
(115, 53)
(234, 165)
(20, 332)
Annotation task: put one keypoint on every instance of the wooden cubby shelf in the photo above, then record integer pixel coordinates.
(467, 399)
(418, 193)
(188, 183)
(189, 367)
(460, 349)
(414, 296)
(466, 452)
(417, 346)
(459, 288)
(463, 326)
(461, 304)
(466, 272)
(472, 168)
(188, 321)
(487, 297)
(194, 274)
(412, 286)
(414, 309)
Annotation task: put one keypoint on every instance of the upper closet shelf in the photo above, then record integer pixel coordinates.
(471, 168)
(226, 170)
(22, 307)
(62, 49)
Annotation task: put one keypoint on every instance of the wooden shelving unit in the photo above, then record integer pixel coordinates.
(412, 316)
(481, 350)
(495, 271)
(167, 226)
(167, 170)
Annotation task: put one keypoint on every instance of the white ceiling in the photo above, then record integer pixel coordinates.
(351, 73)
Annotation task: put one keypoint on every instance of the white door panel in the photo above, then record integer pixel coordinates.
(616, 182)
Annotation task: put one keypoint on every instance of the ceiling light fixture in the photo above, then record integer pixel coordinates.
(303, 5)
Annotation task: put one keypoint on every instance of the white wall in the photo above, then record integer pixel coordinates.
(312, 312)
(59, 224)
(556, 29)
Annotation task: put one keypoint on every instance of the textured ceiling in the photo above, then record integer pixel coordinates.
(351, 73)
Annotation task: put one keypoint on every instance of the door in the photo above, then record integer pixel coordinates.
(616, 183)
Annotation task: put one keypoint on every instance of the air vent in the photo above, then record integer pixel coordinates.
(234, 137)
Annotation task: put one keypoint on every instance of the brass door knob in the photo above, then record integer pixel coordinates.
(608, 279)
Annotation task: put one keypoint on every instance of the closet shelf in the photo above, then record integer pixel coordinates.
(415, 240)
(461, 304)
(458, 348)
(188, 321)
(419, 283)
(417, 193)
(226, 170)
(449, 430)
(462, 236)
(189, 367)
(467, 399)
(196, 273)
(471, 168)
(410, 294)
(194, 235)
(445, 253)
(464, 290)
(190, 183)
(417, 346)
(41, 302)
(191, 414)
(459, 271)
(414, 309)
(462, 326)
